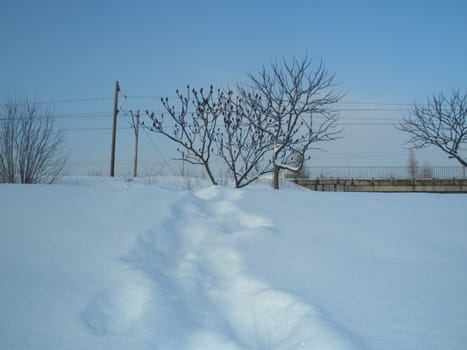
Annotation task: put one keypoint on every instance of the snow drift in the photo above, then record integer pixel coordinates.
(119, 265)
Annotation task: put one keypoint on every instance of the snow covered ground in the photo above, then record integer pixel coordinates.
(94, 263)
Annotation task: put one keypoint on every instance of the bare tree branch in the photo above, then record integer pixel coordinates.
(295, 99)
(442, 122)
(193, 125)
(241, 143)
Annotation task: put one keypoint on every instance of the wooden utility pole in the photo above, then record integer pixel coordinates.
(135, 166)
(114, 130)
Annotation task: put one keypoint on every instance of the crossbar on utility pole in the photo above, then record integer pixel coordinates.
(114, 130)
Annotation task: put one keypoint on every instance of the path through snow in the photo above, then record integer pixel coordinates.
(186, 288)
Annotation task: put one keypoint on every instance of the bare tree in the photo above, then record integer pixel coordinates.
(192, 126)
(412, 165)
(296, 100)
(241, 143)
(426, 171)
(441, 122)
(32, 150)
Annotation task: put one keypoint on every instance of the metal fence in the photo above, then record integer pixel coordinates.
(389, 172)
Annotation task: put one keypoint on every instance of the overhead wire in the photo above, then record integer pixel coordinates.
(70, 100)
(103, 98)
(149, 138)
(96, 129)
(123, 107)
(159, 152)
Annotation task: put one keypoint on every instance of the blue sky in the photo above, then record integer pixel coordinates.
(396, 52)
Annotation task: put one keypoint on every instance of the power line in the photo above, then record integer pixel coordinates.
(159, 152)
(152, 97)
(96, 115)
(106, 115)
(341, 102)
(370, 110)
(367, 155)
(82, 114)
(376, 103)
(156, 97)
(171, 126)
(71, 100)
(365, 124)
(333, 110)
(96, 129)
(367, 118)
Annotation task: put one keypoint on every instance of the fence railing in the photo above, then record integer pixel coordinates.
(385, 172)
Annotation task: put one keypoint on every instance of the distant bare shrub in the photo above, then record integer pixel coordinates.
(32, 149)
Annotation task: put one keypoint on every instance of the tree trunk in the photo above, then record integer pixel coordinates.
(211, 176)
(275, 179)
